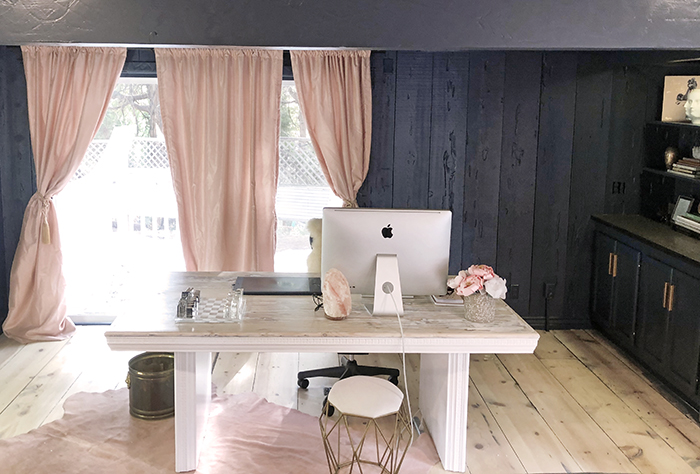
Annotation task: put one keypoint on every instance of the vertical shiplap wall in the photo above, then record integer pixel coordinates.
(518, 145)
(17, 179)
(516, 207)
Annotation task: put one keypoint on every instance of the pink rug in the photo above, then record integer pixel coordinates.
(245, 435)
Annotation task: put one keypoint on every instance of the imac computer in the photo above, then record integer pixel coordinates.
(388, 253)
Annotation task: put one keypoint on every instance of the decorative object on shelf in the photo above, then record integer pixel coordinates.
(684, 217)
(676, 91)
(478, 286)
(683, 205)
(692, 106)
(687, 167)
(670, 157)
(337, 302)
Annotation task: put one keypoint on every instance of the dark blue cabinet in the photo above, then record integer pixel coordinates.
(646, 297)
(615, 287)
(669, 319)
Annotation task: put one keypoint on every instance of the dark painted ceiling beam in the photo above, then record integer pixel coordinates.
(429, 25)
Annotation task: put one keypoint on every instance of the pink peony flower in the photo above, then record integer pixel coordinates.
(457, 281)
(479, 278)
(471, 284)
(483, 271)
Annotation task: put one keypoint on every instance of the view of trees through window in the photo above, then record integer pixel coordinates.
(118, 216)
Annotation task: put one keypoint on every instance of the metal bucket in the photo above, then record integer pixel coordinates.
(151, 382)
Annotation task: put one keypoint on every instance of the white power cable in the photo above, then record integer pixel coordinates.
(386, 287)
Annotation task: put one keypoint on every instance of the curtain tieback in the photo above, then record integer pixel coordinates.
(45, 230)
(352, 204)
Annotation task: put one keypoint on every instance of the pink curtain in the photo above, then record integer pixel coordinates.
(335, 94)
(221, 114)
(68, 92)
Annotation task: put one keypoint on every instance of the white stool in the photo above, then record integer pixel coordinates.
(370, 426)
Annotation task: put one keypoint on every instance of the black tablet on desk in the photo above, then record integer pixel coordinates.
(278, 285)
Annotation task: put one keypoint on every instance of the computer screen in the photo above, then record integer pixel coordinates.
(420, 240)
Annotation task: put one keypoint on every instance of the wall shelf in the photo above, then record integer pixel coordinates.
(666, 174)
(659, 188)
(676, 124)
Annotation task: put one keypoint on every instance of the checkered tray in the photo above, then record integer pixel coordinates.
(211, 310)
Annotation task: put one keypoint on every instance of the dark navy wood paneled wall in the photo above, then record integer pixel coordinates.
(17, 179)
(523, 147)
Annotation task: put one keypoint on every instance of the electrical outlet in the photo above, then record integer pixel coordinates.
(618, 187)
(513, 291)
(549, 290)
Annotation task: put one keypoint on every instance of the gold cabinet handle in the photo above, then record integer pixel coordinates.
(614, 270)
(665, 293)
(671, 291)
(610, 263)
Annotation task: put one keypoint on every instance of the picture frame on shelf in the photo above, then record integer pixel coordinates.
(683, 205)
(676, 90)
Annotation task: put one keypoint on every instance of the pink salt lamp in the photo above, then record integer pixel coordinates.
(337, 302)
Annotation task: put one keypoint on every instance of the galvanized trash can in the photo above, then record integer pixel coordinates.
(151, 383)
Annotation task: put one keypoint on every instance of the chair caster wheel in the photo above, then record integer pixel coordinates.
(394, 380)
(328, 409)
(303, 383)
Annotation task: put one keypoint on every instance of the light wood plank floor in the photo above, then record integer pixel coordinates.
(576, 405)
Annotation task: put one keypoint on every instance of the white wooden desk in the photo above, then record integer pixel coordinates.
(289, 324)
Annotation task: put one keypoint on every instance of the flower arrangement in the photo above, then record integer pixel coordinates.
(479, 278)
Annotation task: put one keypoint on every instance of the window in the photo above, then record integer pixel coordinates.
(118, 215)
(302, 192)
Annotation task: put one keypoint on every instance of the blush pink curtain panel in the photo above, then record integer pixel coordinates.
(68, 91)
(335, 95)
(221, 115)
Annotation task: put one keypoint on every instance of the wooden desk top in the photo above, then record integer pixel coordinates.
(290, 324)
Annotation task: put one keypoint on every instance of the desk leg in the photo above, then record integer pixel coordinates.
(444, 390)
(192, 397)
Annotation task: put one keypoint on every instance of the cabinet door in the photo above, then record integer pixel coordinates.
(601, 305)
(625, 287)
(684, 332)
(653, 316)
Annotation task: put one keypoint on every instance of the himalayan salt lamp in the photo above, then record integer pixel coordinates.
(337, 302)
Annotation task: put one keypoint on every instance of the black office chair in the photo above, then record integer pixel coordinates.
(348, 368)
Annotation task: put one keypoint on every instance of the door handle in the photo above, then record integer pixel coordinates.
(610, 263)
(671, 292)
(665, 293)
(614, 270)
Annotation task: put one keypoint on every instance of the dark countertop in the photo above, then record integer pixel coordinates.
(654, 233)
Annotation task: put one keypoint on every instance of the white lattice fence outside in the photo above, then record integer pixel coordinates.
(92, 156)
(302, 190)
(148, 153)
(298, 164)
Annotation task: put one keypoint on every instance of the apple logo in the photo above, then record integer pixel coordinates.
(387, 232)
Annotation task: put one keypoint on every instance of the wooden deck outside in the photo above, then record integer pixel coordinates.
(576, 405)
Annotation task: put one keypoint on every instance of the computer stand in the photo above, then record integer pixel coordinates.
(387, 287)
